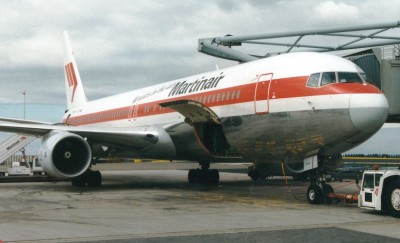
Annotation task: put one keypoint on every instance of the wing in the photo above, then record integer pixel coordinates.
(136, 138)
(2, 119)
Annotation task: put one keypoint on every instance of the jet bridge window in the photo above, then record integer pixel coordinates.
(347, 77)
(328, 78)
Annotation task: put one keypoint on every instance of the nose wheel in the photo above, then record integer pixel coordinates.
(319, 193)
(314, 194)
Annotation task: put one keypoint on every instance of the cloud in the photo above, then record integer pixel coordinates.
(131, 44)
(331, 11)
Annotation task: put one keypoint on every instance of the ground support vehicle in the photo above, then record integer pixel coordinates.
(380, 190)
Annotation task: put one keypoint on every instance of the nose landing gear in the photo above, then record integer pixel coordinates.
(319, 191)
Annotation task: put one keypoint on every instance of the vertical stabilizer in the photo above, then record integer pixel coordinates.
(75, 93)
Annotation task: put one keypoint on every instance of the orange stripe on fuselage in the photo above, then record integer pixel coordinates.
(279, 89)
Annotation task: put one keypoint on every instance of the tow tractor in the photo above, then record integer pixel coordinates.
(380, 190)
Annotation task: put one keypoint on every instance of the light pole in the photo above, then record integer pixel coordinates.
(24, 93)
(23, 150)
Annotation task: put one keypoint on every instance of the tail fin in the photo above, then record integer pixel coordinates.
(75, 93)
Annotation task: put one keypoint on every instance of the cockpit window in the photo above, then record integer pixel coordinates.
(349, 78)
(328, 78)
(321, 79)
(313, 81)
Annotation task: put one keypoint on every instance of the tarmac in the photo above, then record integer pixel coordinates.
(139, 204)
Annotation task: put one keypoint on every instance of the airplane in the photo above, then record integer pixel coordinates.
(296, 112)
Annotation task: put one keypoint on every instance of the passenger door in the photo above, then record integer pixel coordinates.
(261, 102)
(133, 111)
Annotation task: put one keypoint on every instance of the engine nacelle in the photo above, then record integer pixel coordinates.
(64, 154)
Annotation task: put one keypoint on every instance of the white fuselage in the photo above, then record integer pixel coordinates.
(279, 114)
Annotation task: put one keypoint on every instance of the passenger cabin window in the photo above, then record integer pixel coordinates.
(328, 78)
(313, 81)
(349, 77)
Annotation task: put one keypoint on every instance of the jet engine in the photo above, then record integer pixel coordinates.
(64, 154)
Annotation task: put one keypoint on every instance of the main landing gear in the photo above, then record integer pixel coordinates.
(318, 192)
(90, 178)
(255, 174)
(203, 175)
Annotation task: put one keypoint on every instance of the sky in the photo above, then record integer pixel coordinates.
(124, 45)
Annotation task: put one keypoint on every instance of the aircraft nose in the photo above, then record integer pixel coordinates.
(368, 112)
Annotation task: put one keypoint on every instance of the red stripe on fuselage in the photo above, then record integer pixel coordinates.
(279, 89)
(69, 69)
(68, 73)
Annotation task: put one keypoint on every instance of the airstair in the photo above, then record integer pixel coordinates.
(13, 144)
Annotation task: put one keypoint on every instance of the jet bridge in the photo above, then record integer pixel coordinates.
(13, 144)
(353, 37)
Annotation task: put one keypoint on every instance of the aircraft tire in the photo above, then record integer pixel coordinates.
(192, 176)
(314, 194)
(254, 175)
(327, 189)
(392, 199)
(206, 177)
(213, 177)
(94, 178)
(79, 181)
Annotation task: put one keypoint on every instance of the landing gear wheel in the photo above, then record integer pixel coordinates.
(326, 191)
(255, 175)
(94, 179)
(192, 176)
(213, 176)
(79, 181)
(314, 194)
(392, 200)
(91, 178)
(208, 177)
